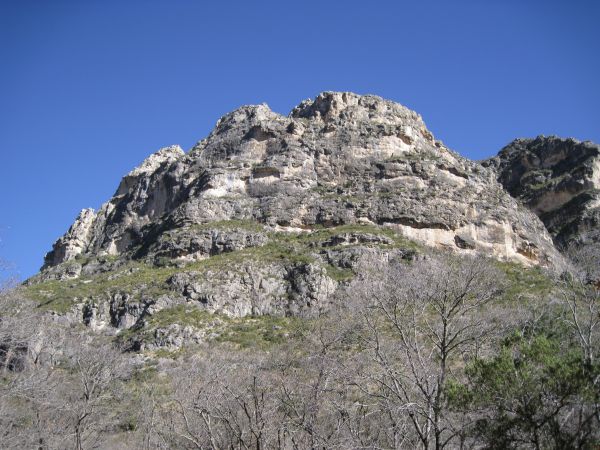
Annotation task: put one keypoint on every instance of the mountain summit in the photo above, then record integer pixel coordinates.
(336, 160)
(336, 278)
(274, 215)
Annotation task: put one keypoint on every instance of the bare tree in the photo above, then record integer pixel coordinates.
(424, 320)
(29, 344)
(218, 401)
(313, 385)
(60, 383)
(581, 296)
(92, 390)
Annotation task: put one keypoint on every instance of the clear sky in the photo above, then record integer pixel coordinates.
(88, 89)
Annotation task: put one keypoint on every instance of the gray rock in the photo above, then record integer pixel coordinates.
(272, 215)
(338, 159)
(75, 240)
(276, 288)
(193, 243)
(559, 180)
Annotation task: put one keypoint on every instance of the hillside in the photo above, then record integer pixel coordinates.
(272, 214)
(334, 278)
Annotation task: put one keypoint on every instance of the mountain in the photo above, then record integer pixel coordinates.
(559, 180)
(340, 159)
(336, 278)
(273, 214)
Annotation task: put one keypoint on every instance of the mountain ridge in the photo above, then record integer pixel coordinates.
(341, 251)
(333, 122)
(274, 216)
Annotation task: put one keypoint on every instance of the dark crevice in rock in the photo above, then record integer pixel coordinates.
(259, 134)
(411, 222)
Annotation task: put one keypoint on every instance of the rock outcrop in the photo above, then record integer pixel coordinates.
(272, 214)
(559, 180)
(338, 159)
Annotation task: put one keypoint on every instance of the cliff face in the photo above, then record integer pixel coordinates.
(340, 159)
(559, 180)
(272, 215)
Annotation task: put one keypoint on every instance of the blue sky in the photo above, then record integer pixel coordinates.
(89, 88)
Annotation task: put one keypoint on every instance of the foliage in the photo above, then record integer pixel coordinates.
(526, 281)
(442, 352)
(139, 279)
(536, 392)
(260, 332)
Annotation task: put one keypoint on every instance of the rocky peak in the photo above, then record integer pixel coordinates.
(326, 104)
(164, 156)
(361, 112)
(274, 214)
(336, 160)
(558, 179)
(75, 240)
(331, 106)
(248, 115)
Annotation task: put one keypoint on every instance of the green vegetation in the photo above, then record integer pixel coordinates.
(244, 332)
(338, 274)
(138, 279)
(534, 391)
(227, 225)
(320, 234)
(525, 281)
(183, 315)
(549, 183)
(248, 225)
(423, 155)
(260, 331)
(133, 278)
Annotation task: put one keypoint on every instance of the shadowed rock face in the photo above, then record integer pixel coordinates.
(559, 180)
(338, 159)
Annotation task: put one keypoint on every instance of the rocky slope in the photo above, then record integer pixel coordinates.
(559, 180)
(272, 214)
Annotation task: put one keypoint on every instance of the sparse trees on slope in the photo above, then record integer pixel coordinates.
(414, 355)
(424, 320)
(581, 296)
(59, 385)
(92, 390)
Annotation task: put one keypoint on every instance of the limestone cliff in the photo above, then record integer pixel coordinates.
(272, 214)
(338, 159)
(559, 180)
